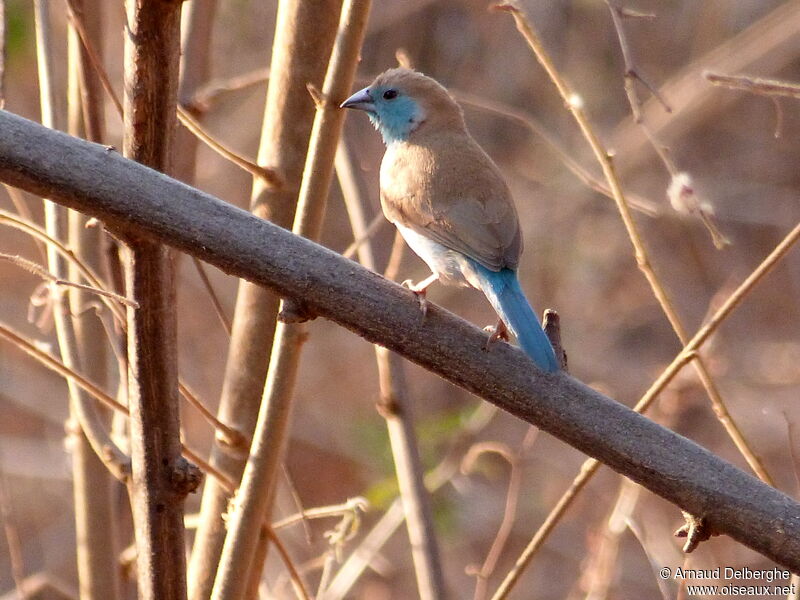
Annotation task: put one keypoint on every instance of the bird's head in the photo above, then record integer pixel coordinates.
(402, 101)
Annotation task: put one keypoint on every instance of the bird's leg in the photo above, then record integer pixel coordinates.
(498, 332)
(420, 289)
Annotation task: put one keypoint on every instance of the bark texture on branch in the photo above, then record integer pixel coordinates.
(89, 178)
(160, 475)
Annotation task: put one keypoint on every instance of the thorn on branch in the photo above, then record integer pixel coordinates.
(403, 58)
(695, 530)
(629, 13)
(509, 6)
(321, 101)
(234, 442)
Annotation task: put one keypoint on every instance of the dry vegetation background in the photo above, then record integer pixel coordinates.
(742, 153)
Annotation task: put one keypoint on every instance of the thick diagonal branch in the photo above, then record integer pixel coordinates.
(89, 178)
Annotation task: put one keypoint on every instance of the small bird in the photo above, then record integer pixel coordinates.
(449, 200)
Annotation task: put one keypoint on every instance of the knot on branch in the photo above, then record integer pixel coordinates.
(296, 311)
(185, 477)
(233, 442)
(388, 406)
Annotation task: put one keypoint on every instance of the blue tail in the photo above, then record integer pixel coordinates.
(505, 294)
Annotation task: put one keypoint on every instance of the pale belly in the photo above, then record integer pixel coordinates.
(451, 266)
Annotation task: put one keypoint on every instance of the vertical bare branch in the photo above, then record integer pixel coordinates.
(258, 480)
(304, 34)
(395, 406)
(161, 477)
(93, 519)
(197, 27)
(95, 510)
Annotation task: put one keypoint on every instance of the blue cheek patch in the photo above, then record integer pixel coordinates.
(395, 119)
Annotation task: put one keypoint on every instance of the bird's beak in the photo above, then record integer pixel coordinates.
(361, 100)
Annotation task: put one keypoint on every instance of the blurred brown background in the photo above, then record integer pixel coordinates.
(578, 260)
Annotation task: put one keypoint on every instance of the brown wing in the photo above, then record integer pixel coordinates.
(453, 193)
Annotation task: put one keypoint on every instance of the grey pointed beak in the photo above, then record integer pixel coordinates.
(361, 100)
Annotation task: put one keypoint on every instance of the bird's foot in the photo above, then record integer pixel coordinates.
(420, 292)
(498, 332)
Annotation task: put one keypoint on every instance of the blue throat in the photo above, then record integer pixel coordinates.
(394, 120)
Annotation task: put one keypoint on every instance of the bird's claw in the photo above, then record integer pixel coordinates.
(420, 293)
(497, 332)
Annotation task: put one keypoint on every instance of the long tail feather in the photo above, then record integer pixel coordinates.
(503, 291)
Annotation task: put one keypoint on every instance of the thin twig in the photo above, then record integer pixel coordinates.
(94, 58)
(218, 308)
(447, 468)
(117, 462)
(92, 278)
(40, 271)
(323, 512)
(298, 502)
(210, 92)
(228, 435)
(377, 223)
(56, 365)
(526, 120)
(268, 175)
(772, 88)
(25, 213)
(591, 465)
(600, 568)
(297, 581)
(640, 251)
(632, 73)
(755, 85)
(514, 459)
(395, 257)
(13, 541)
(655, 564)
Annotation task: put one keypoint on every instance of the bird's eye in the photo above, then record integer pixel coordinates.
(389, 94)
